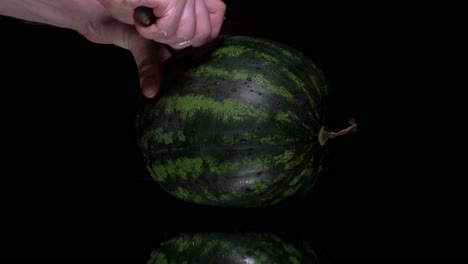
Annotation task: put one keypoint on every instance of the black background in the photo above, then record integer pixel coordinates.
(73, 185)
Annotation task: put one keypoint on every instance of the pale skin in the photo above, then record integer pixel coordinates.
(180, 23)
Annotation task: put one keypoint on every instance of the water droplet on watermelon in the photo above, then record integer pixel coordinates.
(216, 83)
(243, 140)
(249, 79)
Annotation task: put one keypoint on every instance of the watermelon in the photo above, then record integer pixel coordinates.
(239, 122)
(232, 248)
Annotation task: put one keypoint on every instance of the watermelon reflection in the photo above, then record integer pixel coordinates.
(232, 248)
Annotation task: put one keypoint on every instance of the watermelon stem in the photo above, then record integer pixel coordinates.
(325, 135)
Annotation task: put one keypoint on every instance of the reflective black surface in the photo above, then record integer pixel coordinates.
(74, 186)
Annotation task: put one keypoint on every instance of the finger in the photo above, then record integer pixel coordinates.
(187, 25)
(146, 57)
(147, 53)
(186, 28)
(149, 57)
(203, 31)
(217, 10)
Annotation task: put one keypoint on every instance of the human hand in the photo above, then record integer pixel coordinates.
(180, 23)
(196, 20)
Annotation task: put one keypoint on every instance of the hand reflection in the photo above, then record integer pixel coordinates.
(232, 248)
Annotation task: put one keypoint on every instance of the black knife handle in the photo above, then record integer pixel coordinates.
(145, 15)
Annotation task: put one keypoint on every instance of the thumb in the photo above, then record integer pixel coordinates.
(148, 55)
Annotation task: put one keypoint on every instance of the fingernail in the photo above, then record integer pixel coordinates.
(184, 43)
(150, 87)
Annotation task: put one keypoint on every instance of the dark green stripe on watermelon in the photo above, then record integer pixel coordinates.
(232, 248)
(237, 124)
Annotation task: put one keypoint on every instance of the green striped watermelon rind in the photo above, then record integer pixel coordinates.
(232, 128)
